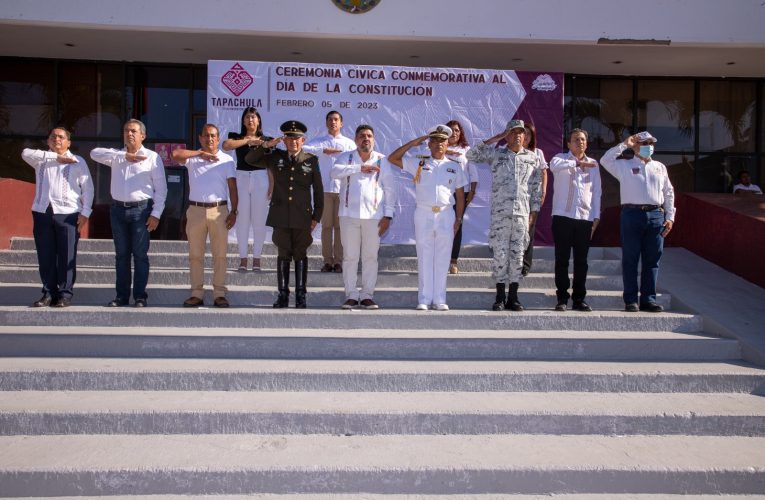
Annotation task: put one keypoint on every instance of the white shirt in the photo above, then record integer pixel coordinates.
(66, 187)
(364, 196)
(135, 181)
(641, 183)
(750, 187)
(439, 179)
(208, 180)
(576, 191)
(471, 172)
(316, 146)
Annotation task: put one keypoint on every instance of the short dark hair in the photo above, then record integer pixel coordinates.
(578, 131)
(66, 131)
(364, 126)
(742, 173)
(333, 112)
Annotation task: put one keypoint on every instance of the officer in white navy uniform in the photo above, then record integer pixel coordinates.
(437, 179)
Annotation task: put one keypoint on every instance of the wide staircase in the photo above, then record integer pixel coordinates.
(167, 402)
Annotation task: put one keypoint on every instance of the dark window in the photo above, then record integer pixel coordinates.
(26, 98)
(90, 98)
(602, 107)
(727, 116)
(665, 108)
(160, 97)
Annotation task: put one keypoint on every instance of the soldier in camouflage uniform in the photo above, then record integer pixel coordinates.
(516, 197)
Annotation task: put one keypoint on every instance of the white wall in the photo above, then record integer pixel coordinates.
(714, 22)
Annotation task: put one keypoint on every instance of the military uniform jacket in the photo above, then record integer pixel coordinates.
(291, 205)
(516, 183)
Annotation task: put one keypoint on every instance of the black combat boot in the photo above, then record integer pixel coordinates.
(512, 299)
(301, 275)
(283, 282)
(499, 302)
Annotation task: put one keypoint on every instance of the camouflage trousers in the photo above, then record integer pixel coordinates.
(508, 239)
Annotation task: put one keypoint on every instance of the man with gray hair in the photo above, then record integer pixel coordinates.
(139, 192)
(516, 194)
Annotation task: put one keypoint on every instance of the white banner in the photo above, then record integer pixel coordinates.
(401, 103)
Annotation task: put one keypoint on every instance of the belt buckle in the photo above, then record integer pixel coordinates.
(435, 210)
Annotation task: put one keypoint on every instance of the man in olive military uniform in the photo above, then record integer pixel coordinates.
(291, 213)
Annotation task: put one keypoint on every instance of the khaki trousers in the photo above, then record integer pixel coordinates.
(331, 244)
(200, 222)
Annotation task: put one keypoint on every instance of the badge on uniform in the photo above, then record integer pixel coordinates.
(280, 164)
(306, 168)
(635, 170)
(451, 170)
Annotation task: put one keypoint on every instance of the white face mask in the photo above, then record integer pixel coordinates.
(646, 150)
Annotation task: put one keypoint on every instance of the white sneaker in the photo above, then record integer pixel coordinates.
(441, 307)
(421, 307)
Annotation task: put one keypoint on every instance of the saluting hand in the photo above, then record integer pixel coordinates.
(208, 156)
(65, 159)
(369, 169)
(134, 157)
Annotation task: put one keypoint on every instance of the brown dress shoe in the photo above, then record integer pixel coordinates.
(193, 302)
(338, 268)
(327, 268)
(220, 302)
(43, 301)
(62, 302)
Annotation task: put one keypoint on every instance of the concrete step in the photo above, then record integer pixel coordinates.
(402, 298)
(410, 464)
(363, 344)
(322, 318)
(379, 413)
(391, 279)
(369, 496)
(124, 374)
(386, 250)
(315, 262)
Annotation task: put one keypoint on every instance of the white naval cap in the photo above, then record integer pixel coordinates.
(440, 132)
(645, 136)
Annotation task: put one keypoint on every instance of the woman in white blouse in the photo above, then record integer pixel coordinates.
(530, 143)
(457, 148)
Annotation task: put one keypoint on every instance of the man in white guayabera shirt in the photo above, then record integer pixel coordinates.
(367, 197)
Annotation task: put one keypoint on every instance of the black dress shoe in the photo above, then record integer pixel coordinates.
(43, 301)
(62, 302)
(581, 305)
(118, 302)
(652, 307)
(140, 303)
(561, 306)
(631, 308)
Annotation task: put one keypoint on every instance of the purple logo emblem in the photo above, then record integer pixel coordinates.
(237, 80)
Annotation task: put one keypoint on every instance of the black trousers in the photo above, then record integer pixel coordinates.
(457, 244)
(571, 234)
(292, 243)
(56, 238)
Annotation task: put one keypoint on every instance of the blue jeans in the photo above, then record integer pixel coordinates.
(131, 239)
(56, 238)
(641, 241)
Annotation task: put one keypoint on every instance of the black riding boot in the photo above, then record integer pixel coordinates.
(512, 299)
(499, 302)
(301, 275)
(282, 282)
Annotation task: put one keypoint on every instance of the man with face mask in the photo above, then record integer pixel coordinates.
(648, 213)
(516, 194)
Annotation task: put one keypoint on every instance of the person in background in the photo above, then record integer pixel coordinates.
(530, 143)
(576, 213)
(367, 198)
(648, 214)
(327, 147)
(457, 148)
(439, 184)
(212, 184)
(61, 207)
(253, 185)
(139, 191)
(745, 186)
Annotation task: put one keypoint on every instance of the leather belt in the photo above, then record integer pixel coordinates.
(644, 208)
(211, 204)
(131, 204)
